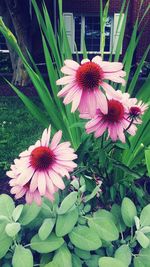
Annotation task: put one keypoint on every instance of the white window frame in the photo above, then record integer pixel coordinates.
(83, 33)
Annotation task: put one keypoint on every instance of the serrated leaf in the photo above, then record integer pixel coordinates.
(46, 228)
(85, 238)
(48, 245)
(66, 222)
(67, 203)
(22, 257)
(128, 211)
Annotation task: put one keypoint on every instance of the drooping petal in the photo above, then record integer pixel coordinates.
(65, 80)
(71, 64)
(67, 70)
(101, 101)
(56, 179)
(56, 139)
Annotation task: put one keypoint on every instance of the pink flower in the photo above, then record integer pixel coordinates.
(39, 170)
(136, 110)
(115, 121)
(82, 83)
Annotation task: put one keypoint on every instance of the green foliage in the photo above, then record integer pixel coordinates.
(128, 211)
(22, 257)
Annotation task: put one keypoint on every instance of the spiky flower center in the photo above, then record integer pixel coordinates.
(134, 112)
(115, 111)
(41, 158)
(89, 75)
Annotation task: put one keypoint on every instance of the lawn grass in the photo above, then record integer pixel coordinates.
(18, 130)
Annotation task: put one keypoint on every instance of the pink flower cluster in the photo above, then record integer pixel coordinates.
(39, 170)
(105, 108)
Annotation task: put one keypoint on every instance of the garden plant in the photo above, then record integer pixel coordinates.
(85, 181)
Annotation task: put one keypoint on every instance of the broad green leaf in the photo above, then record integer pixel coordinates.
(66, 222)
(85, 238)
(17, 212)
(12, 229)
(93, 261)
(46, 228)
(142, 239)
(6, 205)
(92, 195)
(29, 213)
(116, 211)
(144, 257)
(128, 211)
(5, 241)
(138, 262)
(82, 254)
(63, 257)
(76, 262)
(145, 216)
(104, 227)
(147, 157)
(123, 253)
(22, 257)
(104, 214)
(46, 258)
(48, 245)
(51, 264)
(108, 261)
(67, 203)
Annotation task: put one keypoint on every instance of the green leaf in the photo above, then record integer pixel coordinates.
(76, 262)
(116, 211)
(85, 238)
(138, 262)
(6, 205)
(63, 257)
(51, 264)
(93, 261)
(145, 216)
(22, 257)
(5, 241)
(92, 195)
(123, 253)
(67, 203)
(104, 214)
(17, 212)
(144, 257)
(83, 254)
(46, 228)
(108, 261)
(48, 245)
(142, 239)
(104, 227)
(147, 157)
(12, 229)
(128, 211)
(29, 213)
(66, 222)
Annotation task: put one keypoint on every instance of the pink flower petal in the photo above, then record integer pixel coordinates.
(111, 66)
(49, 185)
(97, 60)
(65, 89)
(37, 198)
(101, 101)
(25, 176)
(41, 183)
(101, 129)
(29, 197)
(91, 105)
(56, 179)
(70, 96)
(71, 64)
(67, 70)
(56, 139)
(76, 100)
(34, 182)
(109, 90)
(85, 61)
(65, 80)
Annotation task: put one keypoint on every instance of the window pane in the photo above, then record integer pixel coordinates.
(92, 33)
(77, 20)
(108, 34)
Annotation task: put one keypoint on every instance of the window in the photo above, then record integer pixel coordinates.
(89, 27)
(80, 27)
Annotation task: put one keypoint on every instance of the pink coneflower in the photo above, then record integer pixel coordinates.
(115, 121)
(82, 83)
(136, 110)
(39, 170)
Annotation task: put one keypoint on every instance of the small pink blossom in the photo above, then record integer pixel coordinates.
(39, 170)
(81, 85)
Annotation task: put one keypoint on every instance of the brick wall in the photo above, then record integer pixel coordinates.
(93, 6)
